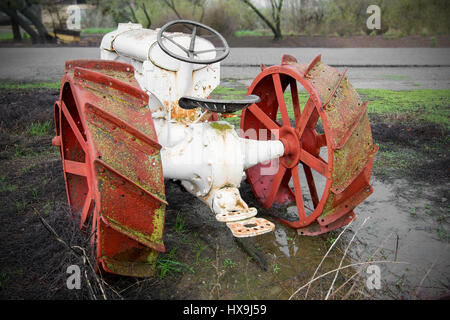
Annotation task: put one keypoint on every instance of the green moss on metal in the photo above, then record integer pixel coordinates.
(151, 258)
(220, 126)
(134, 269)
(144, 238)
(158, 224)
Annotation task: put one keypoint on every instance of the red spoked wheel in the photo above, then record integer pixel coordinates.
(326, 167)
(111, 164)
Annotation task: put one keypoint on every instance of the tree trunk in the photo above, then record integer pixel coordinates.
(276, 29)
(147, 16)
(16, 30)
(133, 14)
(36, 21)
(171, 5)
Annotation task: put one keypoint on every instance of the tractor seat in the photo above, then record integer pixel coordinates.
(219, 106)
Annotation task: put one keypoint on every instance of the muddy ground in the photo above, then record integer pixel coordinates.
(203, 260)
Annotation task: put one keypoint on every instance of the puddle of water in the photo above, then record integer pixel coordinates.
(292, 261)
(403, 211)
(282, 241)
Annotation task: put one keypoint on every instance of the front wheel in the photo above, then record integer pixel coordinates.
(323, 124)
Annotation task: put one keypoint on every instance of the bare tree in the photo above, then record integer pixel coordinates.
(16, 30)
(275, 24)
(147, 16)
(196, 4)
(171, 5)
(21, 15)
(25, 8)
(133, 13)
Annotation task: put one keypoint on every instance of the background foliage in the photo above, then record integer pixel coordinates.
(236, 17)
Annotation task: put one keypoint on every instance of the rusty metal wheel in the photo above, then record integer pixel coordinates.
(325, 171)
(112, 165)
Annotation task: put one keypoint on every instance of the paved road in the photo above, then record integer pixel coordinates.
(377, 68)
(400, 68)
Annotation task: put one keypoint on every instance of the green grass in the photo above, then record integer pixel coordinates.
(394, 77)
(420, 105)
(167, 264)
(252, 33)
(228, 263)
(97, 30)
(198, 249)
(5, 37)
(28, 153)
(276, 268)
(6, 187)
(228, 93)
(433, 41)
(393, 34)
(26, 86)
(180, 221)
(38, 129)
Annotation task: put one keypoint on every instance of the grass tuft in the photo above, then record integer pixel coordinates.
(26, 86)
(38, 129)
(97, 30)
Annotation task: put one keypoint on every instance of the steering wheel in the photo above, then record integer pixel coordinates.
(191, 53)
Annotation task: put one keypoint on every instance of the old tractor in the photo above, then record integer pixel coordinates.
(141, 114)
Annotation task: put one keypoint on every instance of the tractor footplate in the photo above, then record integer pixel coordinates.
(220, 106)
(236, 215)
(250, 227)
